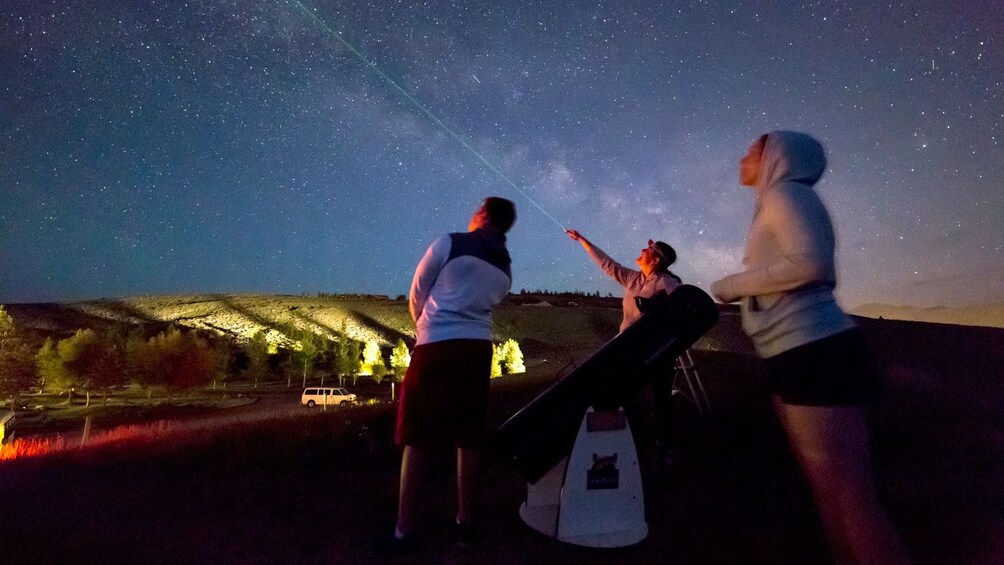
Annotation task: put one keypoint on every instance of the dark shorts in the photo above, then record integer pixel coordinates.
(444, 397)
(833, 371)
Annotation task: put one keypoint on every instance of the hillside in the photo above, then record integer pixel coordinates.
(990, 315)
(239, 316)
(542, 324)
(360, 317)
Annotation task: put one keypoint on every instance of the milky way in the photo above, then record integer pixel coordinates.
(237, 146)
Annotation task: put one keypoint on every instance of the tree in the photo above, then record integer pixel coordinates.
(378, 372)
(17, 366)
(174, 359)
(372, 362)
(347, 352)
(258, 353)
(50, 367)
(400, 358)
(325, 356)
(141, 362)
(306, 351)
(192, 363)
(94, 360)
(7, 326)
(227, 360)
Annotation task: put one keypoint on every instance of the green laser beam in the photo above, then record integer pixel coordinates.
(370, 64)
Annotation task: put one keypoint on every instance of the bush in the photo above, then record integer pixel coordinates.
(512, 357)
(507, 355)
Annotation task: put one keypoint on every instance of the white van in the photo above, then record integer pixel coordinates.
(325, 395)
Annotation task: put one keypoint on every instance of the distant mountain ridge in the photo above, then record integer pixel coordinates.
(990, 315)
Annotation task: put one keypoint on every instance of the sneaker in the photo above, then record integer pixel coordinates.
(466, 534)
(393, 546)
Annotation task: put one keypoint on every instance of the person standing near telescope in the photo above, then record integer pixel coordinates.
(818, 368)
(654, 262)
(654, 277)
(444, 397)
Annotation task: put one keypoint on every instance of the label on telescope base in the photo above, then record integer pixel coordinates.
(604, 474)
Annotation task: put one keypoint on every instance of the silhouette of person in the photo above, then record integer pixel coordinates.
(819, 372)
(444, 397)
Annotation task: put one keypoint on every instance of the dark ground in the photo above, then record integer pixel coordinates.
(323, 489)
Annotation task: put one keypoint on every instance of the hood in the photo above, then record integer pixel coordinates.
(790, 157)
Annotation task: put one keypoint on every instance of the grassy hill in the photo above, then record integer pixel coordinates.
(363, 318)
(540, 323)
(988, 315)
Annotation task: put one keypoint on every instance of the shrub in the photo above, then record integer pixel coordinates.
(496, 370)
(507, 355)
(511, 356)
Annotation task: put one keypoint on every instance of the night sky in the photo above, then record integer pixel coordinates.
(238, 146)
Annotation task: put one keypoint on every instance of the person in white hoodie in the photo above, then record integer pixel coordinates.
(819, 372)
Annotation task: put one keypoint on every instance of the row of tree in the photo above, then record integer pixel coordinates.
(92, 361)
(573, 293)
(175, 359)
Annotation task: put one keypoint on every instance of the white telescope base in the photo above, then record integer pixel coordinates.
(594, 496)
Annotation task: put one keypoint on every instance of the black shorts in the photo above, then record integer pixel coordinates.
(444, 397)
(833, 371)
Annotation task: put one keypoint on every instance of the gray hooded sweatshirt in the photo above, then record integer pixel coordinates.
(787, 287)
